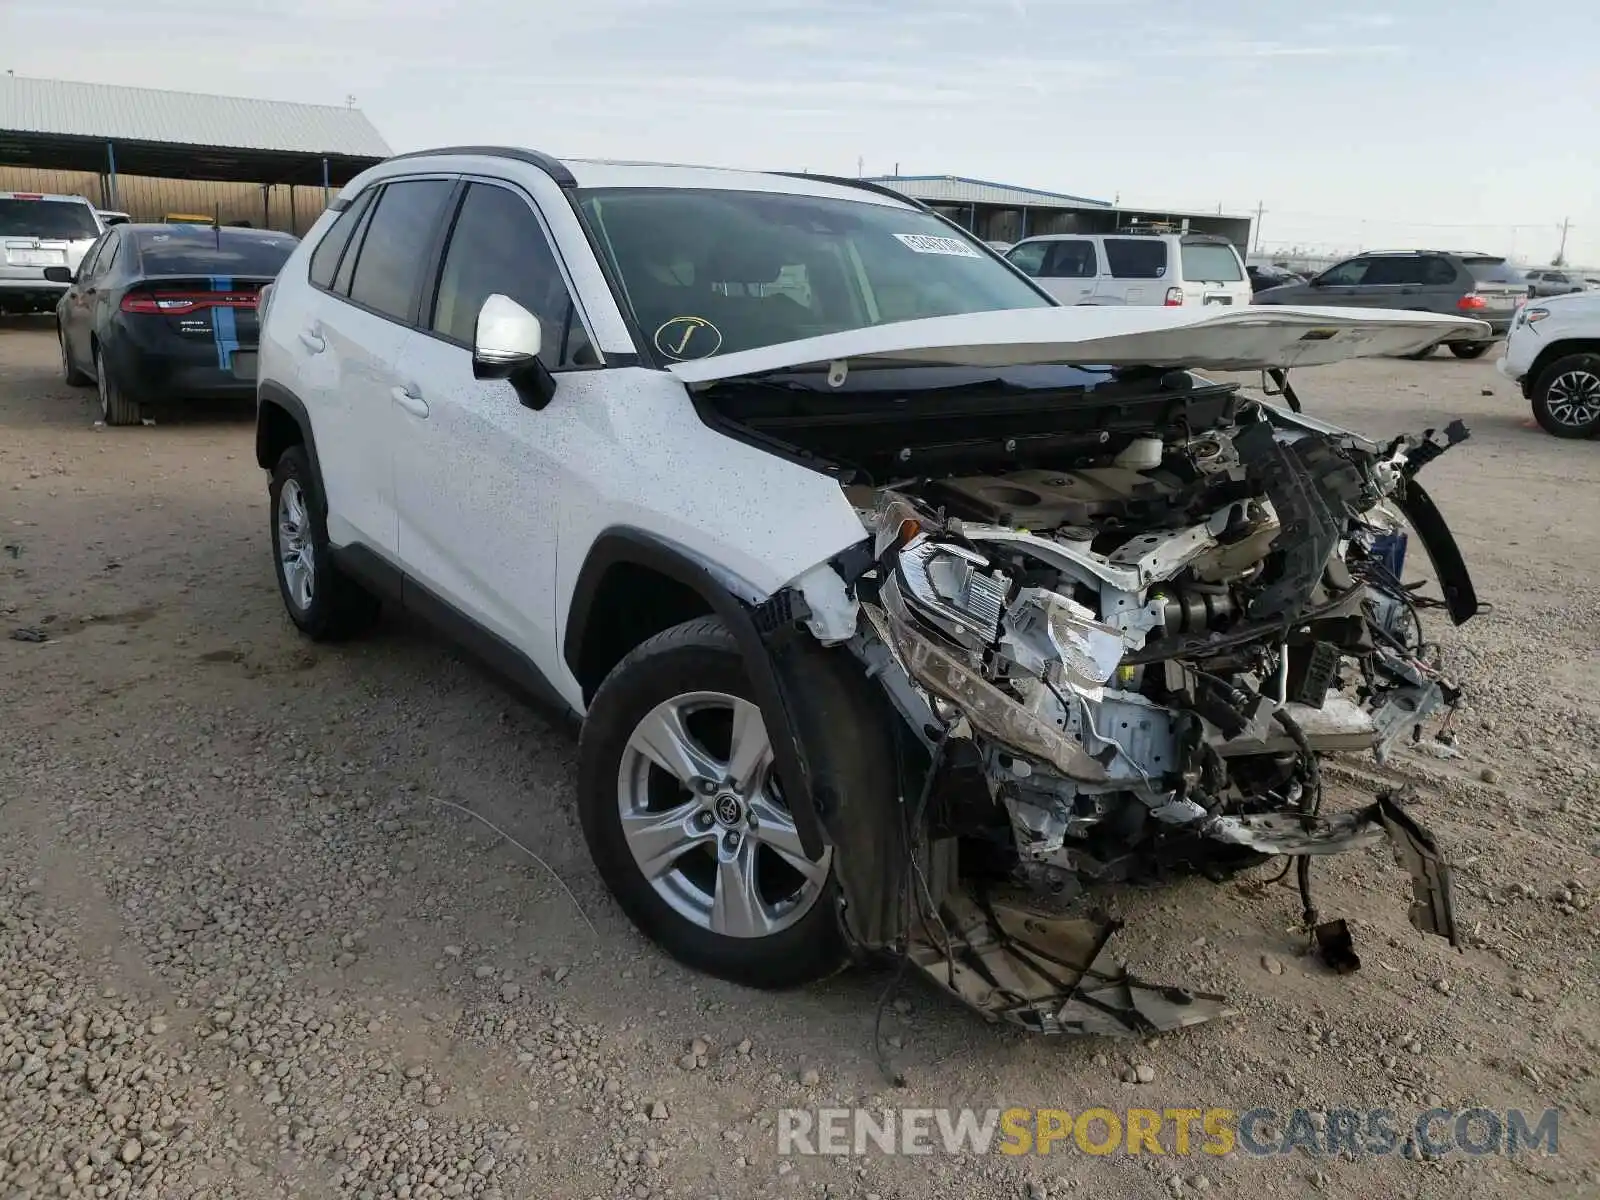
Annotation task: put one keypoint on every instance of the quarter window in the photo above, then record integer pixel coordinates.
(395, 247)
(1136, 258)
(498, 246)
(325, 258)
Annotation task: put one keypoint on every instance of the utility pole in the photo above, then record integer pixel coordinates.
(1261, 208)
(1560, 259)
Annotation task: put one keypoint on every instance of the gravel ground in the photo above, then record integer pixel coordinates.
(248, 947)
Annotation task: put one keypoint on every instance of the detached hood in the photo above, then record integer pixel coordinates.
(1211, 337)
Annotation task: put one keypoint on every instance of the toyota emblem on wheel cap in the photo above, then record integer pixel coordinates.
(728, 810)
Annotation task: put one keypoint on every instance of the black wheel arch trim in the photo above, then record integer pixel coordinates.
(734, 602)
(282, 397)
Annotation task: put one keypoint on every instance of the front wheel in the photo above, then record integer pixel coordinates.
(69, 370)
(1469, 349)
(686, 820)
(1566, 396)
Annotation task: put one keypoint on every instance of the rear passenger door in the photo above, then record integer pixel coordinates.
(350, 350)
(480, 477)
(1070, 269)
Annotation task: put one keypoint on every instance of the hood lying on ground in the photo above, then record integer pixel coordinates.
(1215, 337)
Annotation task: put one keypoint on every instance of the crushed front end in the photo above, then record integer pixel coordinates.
(1129, 664)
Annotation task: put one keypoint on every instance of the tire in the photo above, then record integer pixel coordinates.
(1566, 396)
(325, 604)
(69, 371)
(687, 690)
(1469, 349)
(116, 408)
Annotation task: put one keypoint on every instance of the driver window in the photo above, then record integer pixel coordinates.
(498, 245)
(1346, 274)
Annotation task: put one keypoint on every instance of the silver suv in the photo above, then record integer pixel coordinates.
(1482, 286)
(39, 231)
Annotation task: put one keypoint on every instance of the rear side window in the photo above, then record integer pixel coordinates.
(395, 247)
(1072, 260)
(67, 220)
(213, 252)
(1136, 258)
(498, 245)
(1498, 270)
(1210, 262)
(325, 258)
(1029, 258)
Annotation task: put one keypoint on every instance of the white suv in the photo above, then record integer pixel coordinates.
(792, 490)
(1553, 355)
(1169, 269)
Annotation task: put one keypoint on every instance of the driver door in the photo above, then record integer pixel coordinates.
(478, 475)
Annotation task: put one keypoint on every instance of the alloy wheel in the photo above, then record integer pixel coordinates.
(1573, 398)
(705, 820)
(296, 556)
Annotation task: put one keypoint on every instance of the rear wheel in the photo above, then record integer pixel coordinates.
(1566, 396)
(1468, 349)
(687, 823)
(115, 406)
(69, 371)
(324, 603)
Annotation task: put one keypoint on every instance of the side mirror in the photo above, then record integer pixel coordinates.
(58, 274)
(1317, 281)
(505, 345)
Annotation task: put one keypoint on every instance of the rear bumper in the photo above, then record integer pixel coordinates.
(158, 365)
(21, 288)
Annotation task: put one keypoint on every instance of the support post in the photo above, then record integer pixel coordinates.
(294, 223)
(326, 199)
(111, 174)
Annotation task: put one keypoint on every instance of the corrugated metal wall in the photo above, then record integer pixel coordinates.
(147, 199)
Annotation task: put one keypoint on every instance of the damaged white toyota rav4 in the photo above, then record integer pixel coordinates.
(889, 591)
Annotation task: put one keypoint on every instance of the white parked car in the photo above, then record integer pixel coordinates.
(1553, 355)
(794, 492)
(38, 231)
(1169, 269)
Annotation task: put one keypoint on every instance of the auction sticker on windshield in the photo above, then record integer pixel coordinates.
(927, 243)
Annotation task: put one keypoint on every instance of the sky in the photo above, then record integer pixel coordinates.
(1460, 124)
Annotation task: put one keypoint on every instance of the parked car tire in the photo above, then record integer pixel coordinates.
(1469, 349)
(322, 601)
(116, 407)
(69, 372)
(1566, 396)
(673, 763)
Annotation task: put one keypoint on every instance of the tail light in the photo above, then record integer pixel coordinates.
(1471, 302)
(1174, 297)
(176, 304)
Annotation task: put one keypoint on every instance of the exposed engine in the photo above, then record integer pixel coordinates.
(1150, 648)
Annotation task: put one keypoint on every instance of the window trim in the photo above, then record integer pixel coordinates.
(365, 194)
(434, 275)
(410, 321)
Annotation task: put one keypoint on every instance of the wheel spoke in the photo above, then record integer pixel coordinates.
(662, 738)
(751, 749)
(659, 839)
(737, 909)
(774, 828)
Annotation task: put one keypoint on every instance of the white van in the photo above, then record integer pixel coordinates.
(1134, 268)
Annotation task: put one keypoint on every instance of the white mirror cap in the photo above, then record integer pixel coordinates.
(507, 332)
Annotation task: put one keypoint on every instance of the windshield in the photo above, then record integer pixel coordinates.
(213, 252)
(1493, 270)
(1210, 263)
(711, 272)
(67, 220)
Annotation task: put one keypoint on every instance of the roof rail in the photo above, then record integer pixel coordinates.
(866, 185)
(552, 167)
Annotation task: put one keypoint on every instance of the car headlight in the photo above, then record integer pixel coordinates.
(1532, 316)
(954, 589)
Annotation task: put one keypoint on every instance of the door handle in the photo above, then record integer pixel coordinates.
(410, 401)
(313, 341)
